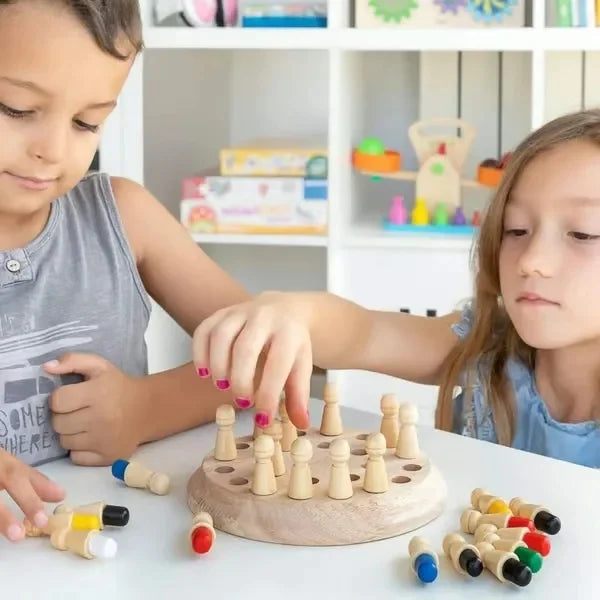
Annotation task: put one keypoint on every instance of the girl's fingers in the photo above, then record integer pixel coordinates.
(245, 356)
(222, 339)
(281, 358)
(297, 389)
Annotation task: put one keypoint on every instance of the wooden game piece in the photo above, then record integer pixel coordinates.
(289, 431)
(340, 484)
(331, 421)
(275, 431)
(225, 447)
(529, 557)
(424, 561)
(389, 421)
(506, 566)
(376, 480)
(136, 475)
(301, 485)
(542, 518)
(89, 544)
(416, 496)
(485, 502)
(534, 540)
(471, 519)
(62, 520)
(263, 482)
(107, 514)
(465, 557)
(202, 533)
(408, 444)
(487, 533)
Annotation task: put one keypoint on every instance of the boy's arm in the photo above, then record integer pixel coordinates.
(190, 287)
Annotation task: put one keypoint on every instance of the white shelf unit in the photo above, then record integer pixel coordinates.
(195, 90)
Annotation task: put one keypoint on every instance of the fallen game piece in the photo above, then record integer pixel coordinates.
(471, 519)
(465, 557)
(68, 520)
(89, 544)
(504, 565)
(528, 556)
(136, 475)
(485, 502)
(542, 518)
(107, 514)
(202, 533)
(424, 561)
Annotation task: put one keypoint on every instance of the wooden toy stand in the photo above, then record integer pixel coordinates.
(416, 496)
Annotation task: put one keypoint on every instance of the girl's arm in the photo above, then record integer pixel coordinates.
(347, 336)
(189, 286)
(285, 333)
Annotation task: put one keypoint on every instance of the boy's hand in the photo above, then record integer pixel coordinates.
(97, 418)
(29, 489)
(270, 333)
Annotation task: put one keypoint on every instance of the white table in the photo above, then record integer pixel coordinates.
(155, 561)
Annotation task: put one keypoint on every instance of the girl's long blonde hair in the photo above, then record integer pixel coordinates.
(492, 336)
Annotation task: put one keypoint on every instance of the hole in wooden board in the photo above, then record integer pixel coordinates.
(301, 433)
(238, 481)
(354, 477)
(400, 479)
(412, 467)
(359, 452)
(247, 438)
(362, 436)
(242, 446)
(224, 469)
(324, 445)
(315, 480)
(364, 465)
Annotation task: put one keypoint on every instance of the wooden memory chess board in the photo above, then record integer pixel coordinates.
(416, 495)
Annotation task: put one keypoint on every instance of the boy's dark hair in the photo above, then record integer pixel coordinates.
(108, 21)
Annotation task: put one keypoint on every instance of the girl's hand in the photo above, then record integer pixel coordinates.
(258, 349)
(29, 489)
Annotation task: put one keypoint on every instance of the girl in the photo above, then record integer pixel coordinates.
(79, 257)
(525, 350)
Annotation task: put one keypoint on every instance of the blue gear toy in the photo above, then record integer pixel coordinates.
(393, 10)
(490, 10)
(450, 6)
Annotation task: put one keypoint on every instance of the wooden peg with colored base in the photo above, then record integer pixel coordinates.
(136, 475)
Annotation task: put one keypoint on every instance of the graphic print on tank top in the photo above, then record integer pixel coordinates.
(25, 387)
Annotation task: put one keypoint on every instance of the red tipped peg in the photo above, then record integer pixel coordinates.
(537, 541)
(202, 540)
(520, 522)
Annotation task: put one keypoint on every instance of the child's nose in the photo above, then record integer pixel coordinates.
(50, 144)
(539, 257)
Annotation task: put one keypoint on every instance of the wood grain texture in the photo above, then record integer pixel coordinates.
(416, 496)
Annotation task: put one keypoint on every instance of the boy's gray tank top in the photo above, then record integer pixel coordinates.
(75, 288)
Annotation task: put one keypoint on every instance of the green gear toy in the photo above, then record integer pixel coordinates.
(393, 10)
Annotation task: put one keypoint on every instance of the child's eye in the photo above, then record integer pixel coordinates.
(583, 237)
(86, 126)
(14, 113)
(515, 232)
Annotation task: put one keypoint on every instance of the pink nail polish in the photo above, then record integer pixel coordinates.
(261, 419)
(203, 372)
(223, 384)
(242, 402)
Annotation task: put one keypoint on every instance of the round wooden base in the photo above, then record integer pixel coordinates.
(416, 495)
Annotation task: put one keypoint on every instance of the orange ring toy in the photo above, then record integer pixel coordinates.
(388, 162)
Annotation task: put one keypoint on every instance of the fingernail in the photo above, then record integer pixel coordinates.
(242, 402)
(223, 384)
(261, 419)
(40, 519)
(51, 364)
(203, 372)
(15, 532)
